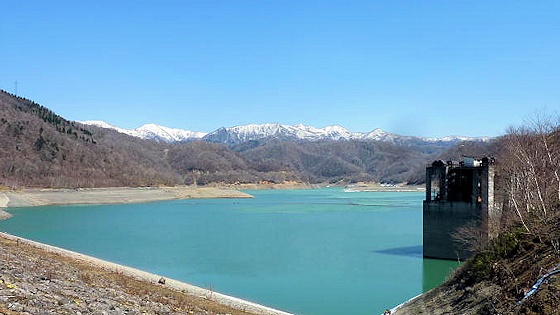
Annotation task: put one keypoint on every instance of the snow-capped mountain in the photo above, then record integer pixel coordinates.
(240, 134)
(161, 133)
(152, 132)
(102, 124)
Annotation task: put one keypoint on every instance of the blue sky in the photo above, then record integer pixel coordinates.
(426, 68)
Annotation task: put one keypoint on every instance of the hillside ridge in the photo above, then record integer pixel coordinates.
(252, 132)
(42, 149)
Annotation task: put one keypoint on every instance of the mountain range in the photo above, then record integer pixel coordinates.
(240, 134)
(39, 148)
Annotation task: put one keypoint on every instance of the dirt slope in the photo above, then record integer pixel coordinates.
(496, 281)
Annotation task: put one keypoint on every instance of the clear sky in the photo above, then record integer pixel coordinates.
(426, 68)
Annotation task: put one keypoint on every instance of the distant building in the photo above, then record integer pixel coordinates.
(457, 194)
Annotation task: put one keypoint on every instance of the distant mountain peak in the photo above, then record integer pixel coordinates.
(152, 131)
(98, 123)
(244, 133)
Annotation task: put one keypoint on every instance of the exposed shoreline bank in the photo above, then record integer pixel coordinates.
(356, 187)
(114, 195)
(99, 267)
(374, 187)
(3, 204)
(120, 195)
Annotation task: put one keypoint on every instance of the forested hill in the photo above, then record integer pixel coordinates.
(42, 149)
(39, 148)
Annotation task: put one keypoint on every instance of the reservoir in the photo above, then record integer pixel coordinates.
(309, 252)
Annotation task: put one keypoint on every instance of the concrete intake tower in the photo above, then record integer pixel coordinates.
(457, 195)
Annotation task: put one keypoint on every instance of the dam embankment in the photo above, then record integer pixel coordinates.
(37, 276)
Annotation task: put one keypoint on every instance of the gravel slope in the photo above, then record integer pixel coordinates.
(40, 279)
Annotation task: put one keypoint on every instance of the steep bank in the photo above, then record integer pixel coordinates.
(496, 281)
(37, 278)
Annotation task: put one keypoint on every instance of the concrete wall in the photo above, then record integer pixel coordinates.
(465, 197)
(441, 220)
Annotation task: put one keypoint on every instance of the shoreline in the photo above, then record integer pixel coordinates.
(116, 195)
(122, 195)
(4, 200)
(31, 197)
(147, 278)
(43, 197)
(375, 187)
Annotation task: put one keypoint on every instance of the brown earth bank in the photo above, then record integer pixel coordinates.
(496, 280)
(40, 279)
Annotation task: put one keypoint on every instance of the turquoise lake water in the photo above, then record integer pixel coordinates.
(310, 252)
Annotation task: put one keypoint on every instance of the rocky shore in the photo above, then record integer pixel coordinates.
(41, 279)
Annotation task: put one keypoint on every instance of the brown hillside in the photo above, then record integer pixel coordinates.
(42, 149)
(496, 280)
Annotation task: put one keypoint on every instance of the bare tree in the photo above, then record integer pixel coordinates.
(530, 175)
